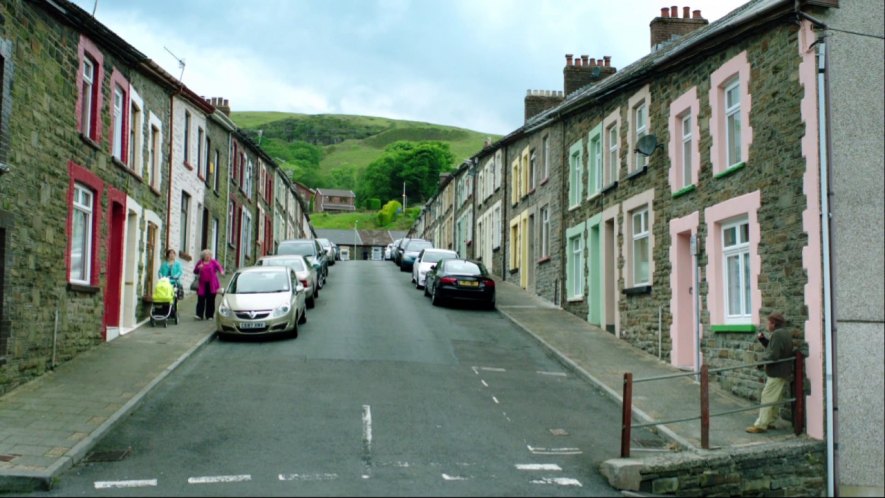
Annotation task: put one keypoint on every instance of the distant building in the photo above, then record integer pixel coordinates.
(334, 201)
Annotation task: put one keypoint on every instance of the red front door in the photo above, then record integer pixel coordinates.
(116, 224)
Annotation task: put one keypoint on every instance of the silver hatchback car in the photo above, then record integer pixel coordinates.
(261, 300)
(305, 272)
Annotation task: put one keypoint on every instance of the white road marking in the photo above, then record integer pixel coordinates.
(217, 479)
(560, 481)
(142, 483)
(453, 478)
(308, 477)
(483, 382)
(555, 374)
(367, 425)
(554, 451)
(496, 400)
(538, 466)
(493, 369)
(475, 370)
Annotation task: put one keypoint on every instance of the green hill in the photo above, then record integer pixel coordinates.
(331, 150)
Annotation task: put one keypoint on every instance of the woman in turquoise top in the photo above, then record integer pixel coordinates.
(171, 267)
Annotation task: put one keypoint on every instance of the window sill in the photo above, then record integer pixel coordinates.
(572, 208)
(735, 328)
(684, 190)
(513, 270)
(544, 181)
(85, 289)
(185, 256)
(730, 170)
(576, 299)
(637, 173)
(636, 291)
(125, 167)
(608, 188)
(188, 165)
(90, 142)
(594, 196)
(155, 190)
(545, 259)
(496, 249)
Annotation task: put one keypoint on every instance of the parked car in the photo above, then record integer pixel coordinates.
(427, 258)
(393, 248)
(410, 252)
(330, 250)
(305, 272)
(460, 279)
(261, 300)
(337, 251)
(388, 252)
(314, 252)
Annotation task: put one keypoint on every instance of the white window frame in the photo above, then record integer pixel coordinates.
(639, 229)
(594, 162)
(575, 184)
(546, 158)
(83, 208)
(184, 222)
(533, 171)
(640, 121)
(246, 232)
(499, 166)
(231, 214)
(738, 251)
(687, 138)
(732, 113)
(87, 112)
(117, 110)
(611, 132)
(575, 264)
(545, 231)
(187, 137)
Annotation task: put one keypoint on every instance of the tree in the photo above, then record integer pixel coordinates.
(415, 165)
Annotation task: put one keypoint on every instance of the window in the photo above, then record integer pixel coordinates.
(594, 173)
(496, 226)
(82, 230)
(514, 181)
(533, 171)
(90, 77)
(200, 138)
(499, 168)
(574, 253)
(135, 132)
(150, 254)
(640, 249)
(87, 97)
(612, 167)
(247, 180)
(183, 222)
(119, 116)
(640, 118)
(214, 169)
(231, 209)
(153, 157)
(546, 149)
(187, 137)
(736, 262)
(574, 169)
(685, 151)
(514, 245)
(545, 232)
(733, 123)
(524, 171)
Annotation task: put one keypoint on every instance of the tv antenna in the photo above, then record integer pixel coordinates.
(180, 63)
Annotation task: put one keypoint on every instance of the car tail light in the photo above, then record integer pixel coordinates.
(304, 283)
(447, 280)
(489, 282)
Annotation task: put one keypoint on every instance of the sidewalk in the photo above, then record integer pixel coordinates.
(51, 423)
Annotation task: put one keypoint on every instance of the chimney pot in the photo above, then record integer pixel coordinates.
(608, 60)
(685, 12)
(568, 59)
(578, 62)
(585, 59)
(665, 12)
(674, 11)
(592, 62)
(696, 14)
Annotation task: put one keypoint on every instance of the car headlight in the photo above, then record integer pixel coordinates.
(280, 311)
(224, 309)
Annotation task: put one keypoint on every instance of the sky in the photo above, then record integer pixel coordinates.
(462, 63)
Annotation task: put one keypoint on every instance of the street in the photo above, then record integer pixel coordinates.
(381, 394)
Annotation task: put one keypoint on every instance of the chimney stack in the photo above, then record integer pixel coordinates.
(538, 101)
(585, 71)
(668, 27)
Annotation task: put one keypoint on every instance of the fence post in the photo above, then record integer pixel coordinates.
(626, 415)
(799, 394)
(705, 407)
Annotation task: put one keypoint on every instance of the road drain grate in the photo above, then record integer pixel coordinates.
(108, 456)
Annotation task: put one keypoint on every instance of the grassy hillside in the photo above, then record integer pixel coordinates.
(345, 144)
(361, 220)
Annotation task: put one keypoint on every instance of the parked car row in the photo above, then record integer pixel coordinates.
(273, 296)
(442, 273)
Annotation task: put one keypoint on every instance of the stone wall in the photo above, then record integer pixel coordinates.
(784, 468)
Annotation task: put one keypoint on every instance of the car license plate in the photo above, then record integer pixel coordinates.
(468, 283)
(252, 325)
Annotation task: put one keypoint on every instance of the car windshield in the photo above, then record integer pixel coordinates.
(325, 243)
(300, 248)
(433, 257)
(259, 282)
(463, 268)
(296, 264)
(417, 245)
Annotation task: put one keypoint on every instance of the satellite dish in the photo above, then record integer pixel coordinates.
(647, 144)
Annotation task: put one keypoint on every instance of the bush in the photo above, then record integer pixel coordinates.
(373, 204)
(388, 213)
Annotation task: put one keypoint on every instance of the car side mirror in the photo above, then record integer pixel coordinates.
(432, 267)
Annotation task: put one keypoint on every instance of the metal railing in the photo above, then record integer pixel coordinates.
(627, 405)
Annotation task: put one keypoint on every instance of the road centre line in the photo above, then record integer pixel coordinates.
(538, 466)
(218, 479)
(493, 369)
(554, 451)
(561, 481)
(496, 400)
(483, 382)
(555, 374)
(367, 426)
(136, 483)
(453, 478)
(308, 477)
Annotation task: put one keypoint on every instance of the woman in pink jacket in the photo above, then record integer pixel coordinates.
(207, 271)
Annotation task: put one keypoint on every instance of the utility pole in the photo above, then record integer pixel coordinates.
(404, 197)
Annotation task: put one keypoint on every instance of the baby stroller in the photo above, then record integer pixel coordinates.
(165, 306)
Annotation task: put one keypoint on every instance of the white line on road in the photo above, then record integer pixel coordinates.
(142, 483)
(483, 382)
(555, 374)
(560, 481)
(554, 451)
(308, 477)
(496, 400)
(453, 478)
(367, 426)
(538, 466)
(218, 479)
(493, 369)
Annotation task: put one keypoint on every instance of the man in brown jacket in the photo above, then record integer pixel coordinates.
(778, 347)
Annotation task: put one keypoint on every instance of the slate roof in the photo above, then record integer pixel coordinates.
(340, 237)
(335, 192)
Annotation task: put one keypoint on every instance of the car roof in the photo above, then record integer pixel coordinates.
(254, 269)
(438, 249)
(274, 257)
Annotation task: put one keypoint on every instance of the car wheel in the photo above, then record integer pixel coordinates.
(311, 302)
(418, 286)
(152, 323)
(294, 332)
(426, 292)
(435, 299)
(490, 306)
(303, 319)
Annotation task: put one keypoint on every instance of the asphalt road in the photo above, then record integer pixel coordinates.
(381, 394)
